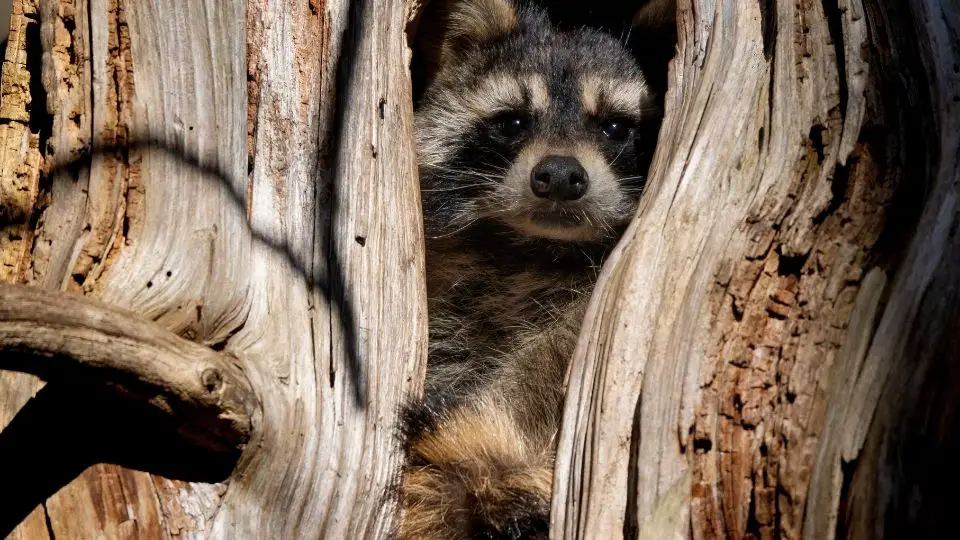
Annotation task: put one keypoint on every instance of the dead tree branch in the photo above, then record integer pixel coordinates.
(59, 336)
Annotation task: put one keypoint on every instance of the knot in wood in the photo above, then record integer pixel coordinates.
(212, 379)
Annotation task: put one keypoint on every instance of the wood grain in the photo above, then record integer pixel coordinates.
(738, 332)
(243, 176)
(57, 337)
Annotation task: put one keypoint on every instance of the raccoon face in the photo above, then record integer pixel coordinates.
(530, 127)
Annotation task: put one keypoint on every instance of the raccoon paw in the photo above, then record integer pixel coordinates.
(472, 474)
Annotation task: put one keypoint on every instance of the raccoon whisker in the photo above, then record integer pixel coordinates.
(602, 225)
(632, 192)
(458, 173)
(451, 233)
(444, 206)
(508, 207)
(620, 153)
(497, 167)
(602, 228)
(505, 159)
(584, 216)
(455, 188)
(438, 167)
(466, 172)
(606, 230)
(457, 176)
(456, 184)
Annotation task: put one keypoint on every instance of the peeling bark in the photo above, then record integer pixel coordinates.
(19, 140)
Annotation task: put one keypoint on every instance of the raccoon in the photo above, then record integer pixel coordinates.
(532, 144)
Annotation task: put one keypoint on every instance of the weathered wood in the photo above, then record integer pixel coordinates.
(792, 264)
(57, 336)
(197, 402)
(771, 349)
(304, 260)
(19, 146)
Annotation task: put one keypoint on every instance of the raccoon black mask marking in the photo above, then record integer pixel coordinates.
(535, 130)
(532, 147)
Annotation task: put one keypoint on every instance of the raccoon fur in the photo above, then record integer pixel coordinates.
(532, 143)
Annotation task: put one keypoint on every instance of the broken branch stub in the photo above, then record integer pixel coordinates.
(59, 336)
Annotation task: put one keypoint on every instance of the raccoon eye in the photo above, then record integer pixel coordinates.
(511, 124)
(617, 129)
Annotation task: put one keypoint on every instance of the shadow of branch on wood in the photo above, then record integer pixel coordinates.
(68, 427)
(73, 424)
(332, 288)
(311, 275)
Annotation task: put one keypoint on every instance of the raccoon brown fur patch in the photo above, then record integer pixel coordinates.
(477, 474)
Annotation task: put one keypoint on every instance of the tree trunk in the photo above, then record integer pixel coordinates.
(245, 180)
(770, 352)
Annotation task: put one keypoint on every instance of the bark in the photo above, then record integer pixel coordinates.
(775, 337)
(244, 178)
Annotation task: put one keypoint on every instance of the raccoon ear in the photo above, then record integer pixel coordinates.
(450, 27)
(656, 14)
(653, 40)
(473, 22)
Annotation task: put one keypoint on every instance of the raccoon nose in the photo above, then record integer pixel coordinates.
(559, 178)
